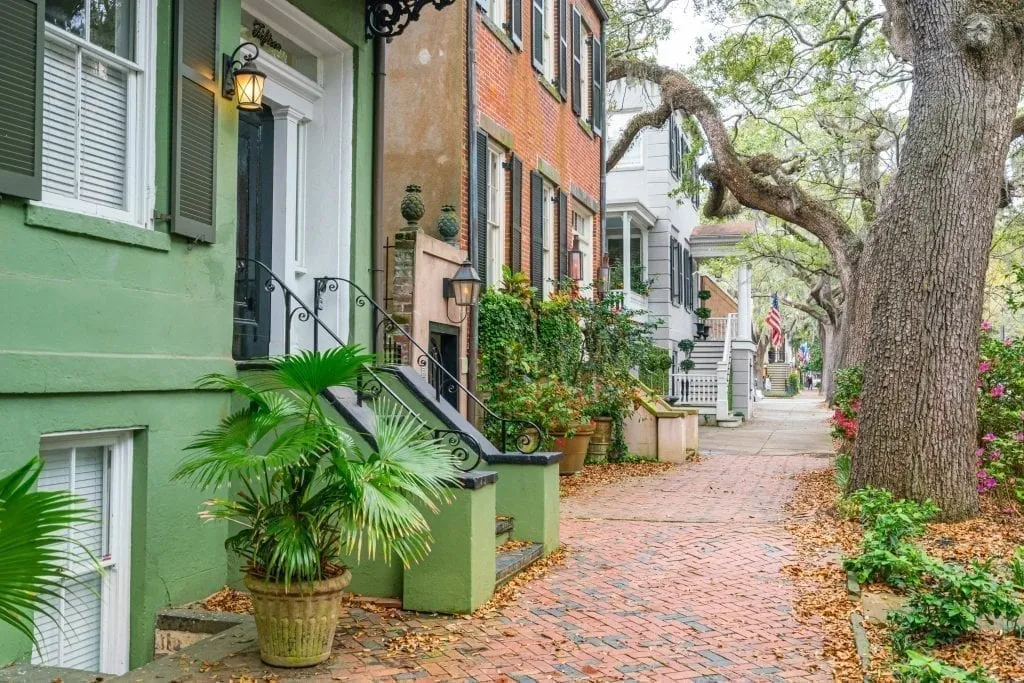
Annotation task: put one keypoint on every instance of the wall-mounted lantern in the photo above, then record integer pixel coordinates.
(604, 276)
(464, 287)
(576, 260)
(242, 81)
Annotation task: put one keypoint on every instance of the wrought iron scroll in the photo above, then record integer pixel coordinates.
(388, 18)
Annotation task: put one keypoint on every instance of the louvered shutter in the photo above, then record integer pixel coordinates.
(21, 91)
(577, 66)
(517, 214)
(687, 275)
(673, 277)
(537, 33)
(563, 235)
(597, 98)
(481, 206)
(515, 23)
(673, 148)
(563, 48)
(537, 233)
(195, 120)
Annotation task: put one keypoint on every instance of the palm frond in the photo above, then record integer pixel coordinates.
(311, 373)
(34, 547)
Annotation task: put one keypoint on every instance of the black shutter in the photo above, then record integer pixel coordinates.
(563, 235)
(515, 23)
(597, 99)
(537, 233)
(194, 143)
(517, 214)
(564, 59)
(21, 91)
(537, 34)
(673, 148)
(577, 67)
(673, 265)
(480, 250)
(688, 279)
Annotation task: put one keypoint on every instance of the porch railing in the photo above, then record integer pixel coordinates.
(695, 388)
(717, 328)
(466, 449)
(400, 348)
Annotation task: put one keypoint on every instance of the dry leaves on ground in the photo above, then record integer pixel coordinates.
(595, 476)
(513, 545)
(509, 593)
(228, 600)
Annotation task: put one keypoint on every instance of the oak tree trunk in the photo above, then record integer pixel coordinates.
(830, 353)
(926, 261)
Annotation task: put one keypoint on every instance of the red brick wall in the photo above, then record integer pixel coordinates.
(720, 303)
(509, 92)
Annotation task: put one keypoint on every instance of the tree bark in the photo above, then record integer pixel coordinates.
(922, 272)
(830, 355)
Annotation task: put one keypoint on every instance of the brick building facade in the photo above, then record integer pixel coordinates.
(516, 145)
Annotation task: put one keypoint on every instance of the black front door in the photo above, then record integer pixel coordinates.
(255, 229)
(444, 349)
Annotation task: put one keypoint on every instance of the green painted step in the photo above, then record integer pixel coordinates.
(510, 562)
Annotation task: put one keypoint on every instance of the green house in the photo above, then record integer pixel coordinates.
(154, 230)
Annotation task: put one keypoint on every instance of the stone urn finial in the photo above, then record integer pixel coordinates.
(448, 224)
(412, 205)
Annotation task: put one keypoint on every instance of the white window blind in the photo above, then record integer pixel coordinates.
(75, 642)
(91, 82)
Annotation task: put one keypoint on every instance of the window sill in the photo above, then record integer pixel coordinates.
(498, 32)
(585, 126)
(550, 87)
(97, 228)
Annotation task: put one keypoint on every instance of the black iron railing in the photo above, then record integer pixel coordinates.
(399, 348)
(466, 449)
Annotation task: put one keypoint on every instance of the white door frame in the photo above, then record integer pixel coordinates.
(313, 158)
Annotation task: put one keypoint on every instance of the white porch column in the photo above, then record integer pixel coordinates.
(627, 239)
(287, 214)
(745, 302)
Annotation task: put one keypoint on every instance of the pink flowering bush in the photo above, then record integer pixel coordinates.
(1000, 394)
(844, 419)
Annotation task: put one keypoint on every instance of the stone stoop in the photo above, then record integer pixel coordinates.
(503, 527)
(510, 562)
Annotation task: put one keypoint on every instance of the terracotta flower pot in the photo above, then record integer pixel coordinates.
(295, 627)
(600, 441)
(574, 448)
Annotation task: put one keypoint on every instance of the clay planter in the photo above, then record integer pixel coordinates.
(600, 441)
(574, 448)
(295, 628)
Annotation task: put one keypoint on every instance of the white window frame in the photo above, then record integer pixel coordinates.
(550, 40)
(139, 190)
(583, 230)
(550, 195)
(496, 13)
(115, 581)
(495, 214)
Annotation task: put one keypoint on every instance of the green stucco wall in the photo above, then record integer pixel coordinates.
(108, 326)
(528, 494)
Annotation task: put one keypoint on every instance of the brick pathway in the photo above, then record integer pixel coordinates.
(674, 577)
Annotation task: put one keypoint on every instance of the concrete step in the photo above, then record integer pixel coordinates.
(502, 530)
(511, 561)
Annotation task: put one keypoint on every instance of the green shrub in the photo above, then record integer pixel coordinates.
(559, 340)
(886, 554)
(953, 606)
(508, 338)
(793, 383)
(654, 368)
(843, 464)
(849, 384)
(920, 668)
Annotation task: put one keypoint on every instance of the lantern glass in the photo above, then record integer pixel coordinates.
(604, 274)
(249, 84)
(465, 285)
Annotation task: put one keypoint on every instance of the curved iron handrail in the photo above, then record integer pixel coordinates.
(521, 437)
(454, 439)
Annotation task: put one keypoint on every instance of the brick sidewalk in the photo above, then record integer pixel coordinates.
(674, 577)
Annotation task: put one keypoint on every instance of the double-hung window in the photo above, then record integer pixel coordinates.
(496, 12)
(550, 197)
(97, 110)
(550, 40)
(583, 231)
(586, 49)
(90, 630)
(495, 214)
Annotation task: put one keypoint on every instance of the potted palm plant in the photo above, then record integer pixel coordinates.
(305, 497)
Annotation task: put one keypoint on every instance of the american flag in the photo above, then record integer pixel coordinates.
(774, 320)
